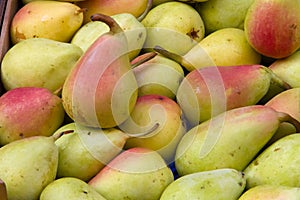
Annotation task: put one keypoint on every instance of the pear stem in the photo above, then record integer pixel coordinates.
(277, 80)
(177, 58)
(284, 117)
(146, 11)
(3, 191)
(112, 24)
(147, 57)
(151, 130)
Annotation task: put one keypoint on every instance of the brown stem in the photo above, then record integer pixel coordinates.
(147, 57)
(147, 132)
(112, 24)
(3, 191)
(81, 10)
(277, 80)
(284, 117)
(177, 58)
(146, 11)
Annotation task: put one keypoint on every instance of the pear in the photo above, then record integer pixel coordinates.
(27, 166)
(206, 92)
(137, 173)
(159, 75)
(218, 14)
(279, 103)
(101, 89)
(70, 188)
(221, 184)
(134, 31)
(29, 111)
(46, 19)
(288, 69)
(224, 47)
(84, 151)
(231, 139)
(173, 25)
(38, 62)
(151, 109)
(276, 165)
(268, 32)
(271, 192)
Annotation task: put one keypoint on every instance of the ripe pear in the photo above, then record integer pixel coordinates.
(276, 165)
(70, 188)
(288, 69)
(206, 92)
(38, 62)
(229, 140)
(221, 184)
(84, 151)
(101, 89)
(271, 27)
(134, 31)
(224, 47)
(27, 166)
(218, 14)
(29, 111)
(279, 103)
(46, 19)
(135, 174)
(173, 25)
(271, 192)
(151, 109)
(159, 75)
(108, 7)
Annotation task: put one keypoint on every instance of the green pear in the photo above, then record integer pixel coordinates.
(38, 62)
(70, 188)
(27, 166)
(101, 89)
(271, 192)
(231, 139)
(29, 111)
(84, 151)
(218, 14)
(276, 165)
(173, 25)
(135, 174)
(134, 31)
(159, 75)
(54, 20)
(221, 184)
(3, 192)
(224, 47)
(206, 92)
(288, 69)
(279, 103)
(151, 109)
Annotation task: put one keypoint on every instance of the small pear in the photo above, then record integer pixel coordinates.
(27, 166)
(84, 151)
(271, 192)
(54, 20)
(231, 139)
(29, 111)
(135, 174)
(174, 25)
(221, 184)
(276, 165)
(38, 62)
(70, 188)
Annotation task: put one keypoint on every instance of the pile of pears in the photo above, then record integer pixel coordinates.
(152, 100)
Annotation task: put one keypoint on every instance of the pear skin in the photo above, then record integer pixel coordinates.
(38, 62)
(46, 19)
(276, 165)
(136, 173)
(70, 188)
(271, 192)
(29, 111)
(27, 166)
(221, 184)
(229, 140)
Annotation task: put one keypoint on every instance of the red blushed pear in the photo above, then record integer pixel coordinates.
(29, 111)
(272, 27)
(112, 7)
(101, 90)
